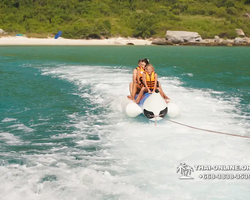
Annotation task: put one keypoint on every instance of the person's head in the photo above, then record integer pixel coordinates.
(150, 68)
(142, 63)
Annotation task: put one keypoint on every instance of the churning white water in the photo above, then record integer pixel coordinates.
(134, 159)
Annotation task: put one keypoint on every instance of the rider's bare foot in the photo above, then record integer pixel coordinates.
(130, 97)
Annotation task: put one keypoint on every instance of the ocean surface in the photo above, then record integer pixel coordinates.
(64, 134)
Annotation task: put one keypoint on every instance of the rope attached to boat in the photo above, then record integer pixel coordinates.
(155, 116)
(201, 129)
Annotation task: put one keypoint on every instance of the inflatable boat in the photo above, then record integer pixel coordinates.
(152, 106)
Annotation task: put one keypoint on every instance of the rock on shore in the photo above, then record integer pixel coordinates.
(182, 36)
(194, 39)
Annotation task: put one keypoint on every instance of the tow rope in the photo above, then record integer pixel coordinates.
(201, 129)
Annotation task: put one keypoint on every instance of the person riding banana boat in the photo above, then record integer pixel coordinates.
(148, 96)
(150, 84)
(136, 86)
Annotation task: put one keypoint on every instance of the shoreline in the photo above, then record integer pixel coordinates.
(22, 40)
(116, 41)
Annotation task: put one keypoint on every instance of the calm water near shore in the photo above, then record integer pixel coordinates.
(64, 135)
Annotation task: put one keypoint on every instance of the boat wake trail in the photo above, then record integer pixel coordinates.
(111, 156)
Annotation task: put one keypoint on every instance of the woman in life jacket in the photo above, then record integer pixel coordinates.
(151, 84)
(137, 84)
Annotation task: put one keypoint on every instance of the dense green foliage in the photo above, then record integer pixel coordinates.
(137, 18)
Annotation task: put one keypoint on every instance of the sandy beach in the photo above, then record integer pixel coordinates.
(22, 40)
(25, 41)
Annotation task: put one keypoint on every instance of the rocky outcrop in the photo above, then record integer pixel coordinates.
(194, 39)
(240, 32)
(216, 39)
(161, 41)
(2, 32)
(182, 36)
(225, 42)
(239, 40)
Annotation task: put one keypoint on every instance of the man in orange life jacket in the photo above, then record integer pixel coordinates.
(137, 84)
(151, 84)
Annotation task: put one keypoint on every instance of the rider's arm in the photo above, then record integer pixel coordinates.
(144, 81)
(156, 77)
(135, 75)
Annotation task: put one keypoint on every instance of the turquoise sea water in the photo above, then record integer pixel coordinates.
(64, 135)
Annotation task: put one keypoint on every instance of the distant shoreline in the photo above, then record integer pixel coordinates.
(22, 40)
(116, 41)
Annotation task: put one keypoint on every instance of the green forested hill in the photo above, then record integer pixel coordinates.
(137, 18)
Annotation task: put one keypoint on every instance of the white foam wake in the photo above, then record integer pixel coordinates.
(133, 159)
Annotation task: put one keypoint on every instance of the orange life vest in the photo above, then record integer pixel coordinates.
(150, 79)
(141, 71)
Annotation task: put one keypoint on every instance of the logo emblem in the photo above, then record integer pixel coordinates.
(185, 171)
